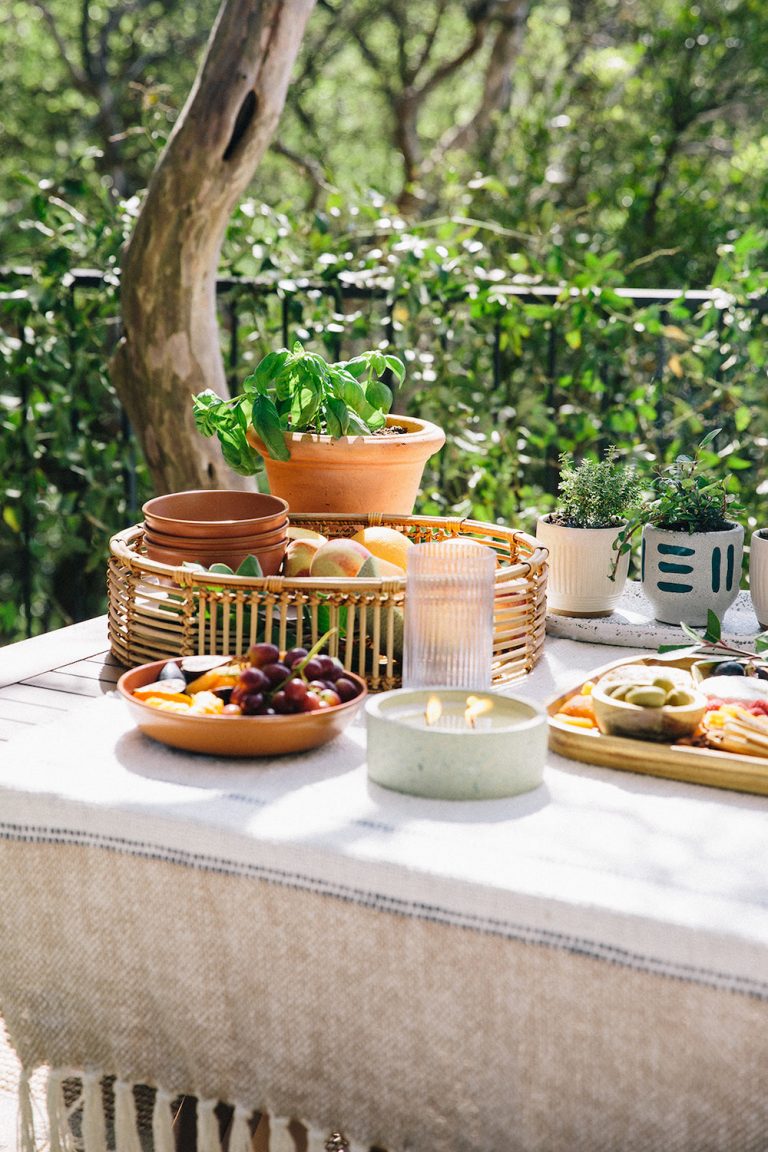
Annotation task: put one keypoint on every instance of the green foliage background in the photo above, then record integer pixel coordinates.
(632, 154)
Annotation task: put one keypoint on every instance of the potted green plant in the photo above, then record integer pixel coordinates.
(586, 576)
(323, 433)
(692, 549)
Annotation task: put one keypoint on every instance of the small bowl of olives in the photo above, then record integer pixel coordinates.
(647, 702)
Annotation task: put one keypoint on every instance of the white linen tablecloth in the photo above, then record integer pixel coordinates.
(584, 966)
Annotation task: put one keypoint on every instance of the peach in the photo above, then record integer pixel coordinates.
(386, 568)
(296, 533)
(342, 558)
(299, 556)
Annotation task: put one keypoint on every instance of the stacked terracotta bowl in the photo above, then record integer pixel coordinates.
(216, 527)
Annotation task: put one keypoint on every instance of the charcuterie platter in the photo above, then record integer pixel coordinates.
(677, 715)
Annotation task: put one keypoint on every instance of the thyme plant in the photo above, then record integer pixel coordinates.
(595, 493)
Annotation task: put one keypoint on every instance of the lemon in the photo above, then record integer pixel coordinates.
(386, 544)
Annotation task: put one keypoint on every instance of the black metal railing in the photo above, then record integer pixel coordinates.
(282, 305)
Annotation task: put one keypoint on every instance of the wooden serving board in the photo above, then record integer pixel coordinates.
(674, 761)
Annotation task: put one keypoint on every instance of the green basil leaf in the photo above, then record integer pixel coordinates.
(376, 421)
(237, 451)
(266, 371)
(336, 417)
(378, 395)
(355, 367)
(266, 422)
(306, 398)
(208, 409)
(356, 426)
(396, 367)
(353, 394)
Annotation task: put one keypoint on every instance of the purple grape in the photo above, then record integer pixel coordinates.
(295, 690)
(326, 666)
(294, 656)
(254, 680)
(281, 704)
(345, 688)
(337, 670)
(261, 654)
(250, 704)
(313, 669)
(276, 673)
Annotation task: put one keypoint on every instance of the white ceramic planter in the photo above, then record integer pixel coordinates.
(758, 575)
(685, 574)
(580, 562)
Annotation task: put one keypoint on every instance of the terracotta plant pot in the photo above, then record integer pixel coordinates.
(580, 562)
(357, 474)
(686, 574)
(214, 513)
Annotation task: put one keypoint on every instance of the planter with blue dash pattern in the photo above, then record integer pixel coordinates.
(684, 574)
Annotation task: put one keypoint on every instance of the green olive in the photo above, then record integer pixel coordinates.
(646, 696)
(679, 698)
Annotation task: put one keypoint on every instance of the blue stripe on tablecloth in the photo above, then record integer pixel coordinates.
(578, 946)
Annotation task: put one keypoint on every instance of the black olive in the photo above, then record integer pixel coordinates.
(761, 671)
(729, 668)
(224, 693)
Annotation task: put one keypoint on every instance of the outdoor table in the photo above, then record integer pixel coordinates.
(583, 967)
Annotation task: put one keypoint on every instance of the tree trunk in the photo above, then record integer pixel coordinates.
(170, 343)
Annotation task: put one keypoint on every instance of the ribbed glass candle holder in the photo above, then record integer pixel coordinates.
(448, 635)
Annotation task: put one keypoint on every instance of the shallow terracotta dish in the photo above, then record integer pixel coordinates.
(214, 512)
(269, 558)
(235, 735)
(209, 543)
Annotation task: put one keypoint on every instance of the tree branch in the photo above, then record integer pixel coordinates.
(497, 85)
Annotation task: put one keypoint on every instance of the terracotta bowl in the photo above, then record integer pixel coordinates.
(213, 543)
(235, 735)
(214, 513)
(270, 558)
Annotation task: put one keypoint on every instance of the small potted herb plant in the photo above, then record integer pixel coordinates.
(323, 433)
(586, 575)
(691, 547)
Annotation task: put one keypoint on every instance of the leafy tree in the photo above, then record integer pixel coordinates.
(170, 342)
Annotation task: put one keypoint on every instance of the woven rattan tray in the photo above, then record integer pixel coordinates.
(156, 610)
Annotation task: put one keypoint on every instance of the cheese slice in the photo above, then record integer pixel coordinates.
(735, 687)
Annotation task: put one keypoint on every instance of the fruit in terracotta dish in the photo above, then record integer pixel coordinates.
(267, 682)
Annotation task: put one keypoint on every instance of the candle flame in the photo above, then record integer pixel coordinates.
(476, 706)
(433, 711)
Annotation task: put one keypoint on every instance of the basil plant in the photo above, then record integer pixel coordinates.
(298, 391)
